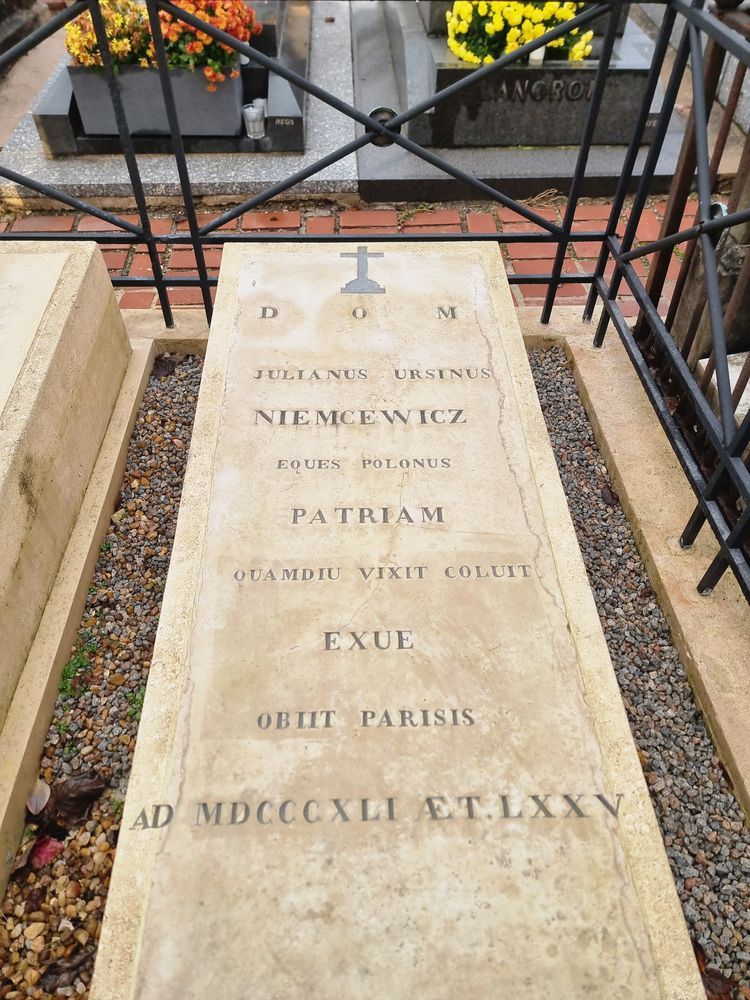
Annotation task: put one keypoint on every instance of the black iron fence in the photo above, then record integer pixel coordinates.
(710, 443)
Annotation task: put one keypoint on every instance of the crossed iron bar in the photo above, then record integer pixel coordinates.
(727, 441)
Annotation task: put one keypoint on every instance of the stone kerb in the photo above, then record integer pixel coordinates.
(63, 355)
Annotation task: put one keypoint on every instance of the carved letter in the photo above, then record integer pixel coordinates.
(608, 805)
(507, 814)
(340, 810)
(332, 640)
(306, 812)
(541, 809)
(156, 818)
(574, 807)
(435, 803)
(367, 817)
(235, 818)
(208, 814)
(261, 813)
(283, 809)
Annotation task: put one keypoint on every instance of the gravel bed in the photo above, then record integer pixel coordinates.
(51, 918)
(703, 826)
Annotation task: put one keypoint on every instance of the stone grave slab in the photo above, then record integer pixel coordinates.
(105, 177)
(383, 751)
(63, 354)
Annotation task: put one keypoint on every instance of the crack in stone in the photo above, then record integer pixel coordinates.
(500, 418)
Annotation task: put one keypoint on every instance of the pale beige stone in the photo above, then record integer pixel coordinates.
(63, 352)
(408, 904)
(188, 335)
(23, 735)
(27, 290)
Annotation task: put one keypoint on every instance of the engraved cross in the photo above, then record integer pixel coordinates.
(362, 284)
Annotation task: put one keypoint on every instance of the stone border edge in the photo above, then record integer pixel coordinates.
(712, 633)
(115, 969)
(23, 734)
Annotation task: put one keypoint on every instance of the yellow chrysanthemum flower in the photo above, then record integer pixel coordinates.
(487, 28)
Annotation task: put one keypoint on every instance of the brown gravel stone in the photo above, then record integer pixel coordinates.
(56, 913)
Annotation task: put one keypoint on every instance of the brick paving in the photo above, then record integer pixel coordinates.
(44, 224)
(270, 221)
(317, 218)
(363, 220)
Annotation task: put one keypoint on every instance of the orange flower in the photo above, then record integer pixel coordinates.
(192, 48)
(128, 31)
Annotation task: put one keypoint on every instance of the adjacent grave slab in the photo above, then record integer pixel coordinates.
(216, 174)
(63, 354)
(209, 126)
(24, 732)
(393, 174)
(522, 105)
(383, 751)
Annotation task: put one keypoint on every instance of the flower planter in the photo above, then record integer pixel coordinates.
(199, 111)
(521, 104)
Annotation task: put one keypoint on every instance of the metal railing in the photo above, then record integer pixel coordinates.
(710, 446)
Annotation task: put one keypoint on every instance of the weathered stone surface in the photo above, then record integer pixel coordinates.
(383, 751)
(63, 353)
